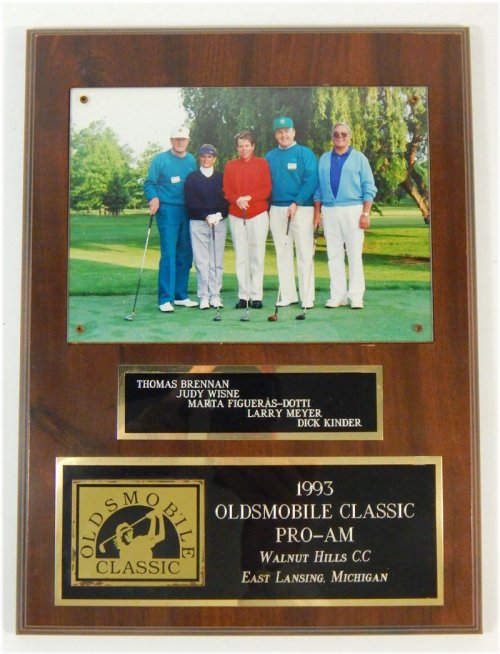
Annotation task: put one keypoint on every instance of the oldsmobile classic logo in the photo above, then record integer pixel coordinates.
(138, 533)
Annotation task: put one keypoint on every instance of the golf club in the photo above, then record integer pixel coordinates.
(217, 318)
(131, 315)
(302, 316)
(274, 316)
(246, 316)
(102, 549)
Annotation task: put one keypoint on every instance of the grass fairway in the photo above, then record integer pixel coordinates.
(106, 254)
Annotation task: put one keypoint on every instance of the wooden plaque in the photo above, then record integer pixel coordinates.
(320, 476)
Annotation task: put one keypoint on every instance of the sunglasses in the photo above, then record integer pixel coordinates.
(339, 134)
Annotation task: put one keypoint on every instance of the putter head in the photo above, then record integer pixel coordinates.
(273, 318)
(245, 318)
(129, 316)
(217, 318)
(301, 316)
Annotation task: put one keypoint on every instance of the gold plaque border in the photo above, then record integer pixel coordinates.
(200, 483)
(252, 461)
(264, 436)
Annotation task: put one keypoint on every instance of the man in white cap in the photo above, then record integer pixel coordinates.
(164, 190)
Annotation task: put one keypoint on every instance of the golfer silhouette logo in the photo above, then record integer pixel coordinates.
(135, 538)
(146, 532)
(135, 547)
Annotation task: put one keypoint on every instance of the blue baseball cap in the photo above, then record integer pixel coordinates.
(282, 122)
(206, 148)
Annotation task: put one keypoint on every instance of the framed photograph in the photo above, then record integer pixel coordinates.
(249, 344)
(117, 131)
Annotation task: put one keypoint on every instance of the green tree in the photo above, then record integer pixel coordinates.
(138, 175)
(96, 156)
(376, 116)
(217, 114)
(416, 181)
(389, 125)
(116, 197)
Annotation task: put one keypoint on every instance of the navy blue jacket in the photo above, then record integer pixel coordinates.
(204, 195)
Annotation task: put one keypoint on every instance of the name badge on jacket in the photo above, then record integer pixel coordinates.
(292, 166)
(175, 180)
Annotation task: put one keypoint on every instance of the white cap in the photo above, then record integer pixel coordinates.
(180, 133)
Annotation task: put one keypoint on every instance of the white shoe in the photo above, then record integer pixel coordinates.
(185, 303)
(284, 303)
(216, 303)
(166, 307)
(204, 303)
(356, 304)
(333, 304)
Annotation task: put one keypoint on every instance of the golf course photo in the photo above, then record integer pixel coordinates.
(113, 254)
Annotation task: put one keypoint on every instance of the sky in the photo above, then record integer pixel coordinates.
(136, 115)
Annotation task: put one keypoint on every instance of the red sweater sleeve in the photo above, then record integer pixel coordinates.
(262, 190)
(229, 183)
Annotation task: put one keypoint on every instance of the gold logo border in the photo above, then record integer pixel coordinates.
(199, 483)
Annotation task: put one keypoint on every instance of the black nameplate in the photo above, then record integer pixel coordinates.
(316, 402)
(334, 531)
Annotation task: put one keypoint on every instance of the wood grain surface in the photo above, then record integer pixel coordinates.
(69, 392)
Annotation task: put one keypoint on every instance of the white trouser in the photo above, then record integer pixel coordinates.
(341, 228)
(249, 240)
(208, 256)
(301, 234)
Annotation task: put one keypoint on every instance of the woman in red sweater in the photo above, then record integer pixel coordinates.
(247, 187)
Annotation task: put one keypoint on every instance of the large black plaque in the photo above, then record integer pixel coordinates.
(341, 531)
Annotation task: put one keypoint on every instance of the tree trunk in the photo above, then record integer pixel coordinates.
(420, 200)
(414, 183)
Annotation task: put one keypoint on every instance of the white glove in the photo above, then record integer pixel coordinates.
(214, 218)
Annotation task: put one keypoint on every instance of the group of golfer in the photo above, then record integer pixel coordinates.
(288, 191)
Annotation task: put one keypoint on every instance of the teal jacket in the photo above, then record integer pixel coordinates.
(294, 174)
(166, 177)
(356, 181)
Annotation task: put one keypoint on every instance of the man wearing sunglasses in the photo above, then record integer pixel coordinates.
(344, 197)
